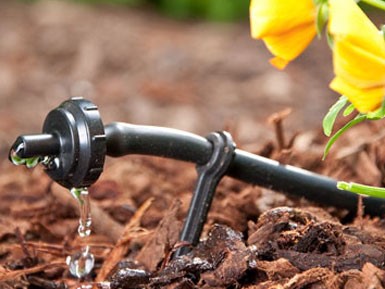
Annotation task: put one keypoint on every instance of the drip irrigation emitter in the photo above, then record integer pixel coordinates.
(74, 143)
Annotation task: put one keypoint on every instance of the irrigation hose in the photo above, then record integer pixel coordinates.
(123, 139)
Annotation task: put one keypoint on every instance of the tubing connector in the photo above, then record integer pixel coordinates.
(74, 141)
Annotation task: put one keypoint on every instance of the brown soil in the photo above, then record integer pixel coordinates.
(141, 68)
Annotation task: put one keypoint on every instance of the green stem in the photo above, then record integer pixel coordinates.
(359, 118)
(375, 3)
(362, 189)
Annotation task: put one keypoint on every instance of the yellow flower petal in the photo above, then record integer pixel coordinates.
(290, 44)
(358, 66)
(279, 62)
(364, 100)
(347, 22)
(287, 27)
(269, 17)
(358, 56)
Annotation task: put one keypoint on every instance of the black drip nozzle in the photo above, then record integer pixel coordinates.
(74, 140)
(27, 146)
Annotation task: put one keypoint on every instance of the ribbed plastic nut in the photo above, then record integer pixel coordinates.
(78, 126)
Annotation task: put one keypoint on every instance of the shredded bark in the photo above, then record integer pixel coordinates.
(131, 231)
(162, 241)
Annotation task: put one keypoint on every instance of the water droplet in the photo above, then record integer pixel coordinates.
(18, 161)
(81, 263)
(28, 162)
(32, 162)
(51, 162)
(85, 221)
(85, 286)
(91, 285)
(84, 230)
(15, 159)
(13, 156)
(104, 285)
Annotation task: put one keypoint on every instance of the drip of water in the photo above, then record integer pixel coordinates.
(50, 162)
(85, 286)
(81, 263)
(28, 162)
(85, 220)
(104, 285)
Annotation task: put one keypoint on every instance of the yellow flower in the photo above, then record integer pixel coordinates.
(358, 56)
(286, 26)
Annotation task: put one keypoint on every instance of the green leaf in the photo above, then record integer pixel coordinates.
(359, 118)
(16, 160)
(362, 189)
(330, 117)
(348, 110)
(322, 16)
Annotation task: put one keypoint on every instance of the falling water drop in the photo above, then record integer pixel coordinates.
(81, 263)
(85, 220)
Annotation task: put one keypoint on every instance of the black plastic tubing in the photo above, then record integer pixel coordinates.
(123, 139)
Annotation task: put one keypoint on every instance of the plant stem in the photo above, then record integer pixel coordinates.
(375, 3)
(362, 189)
(359, 118)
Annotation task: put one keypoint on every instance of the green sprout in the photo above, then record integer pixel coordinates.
(362, 189)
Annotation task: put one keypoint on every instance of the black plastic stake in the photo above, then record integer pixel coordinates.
(209, 176)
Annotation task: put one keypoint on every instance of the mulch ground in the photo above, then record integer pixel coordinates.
(141, 68)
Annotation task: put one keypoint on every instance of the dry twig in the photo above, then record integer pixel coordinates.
(131, 230)
(6, 275)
